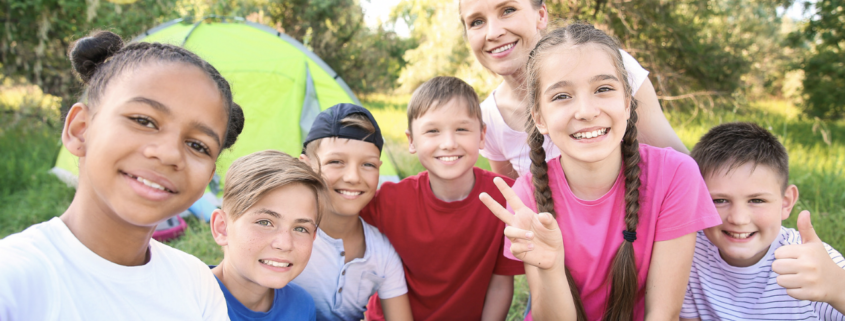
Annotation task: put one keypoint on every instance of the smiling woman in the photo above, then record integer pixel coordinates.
(148, 134)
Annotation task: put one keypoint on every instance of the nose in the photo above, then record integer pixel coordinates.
(738, 215)
(587, 109)
(167, 149)
(448, 141)
(494, 29)
(351, 174)
(283, 241)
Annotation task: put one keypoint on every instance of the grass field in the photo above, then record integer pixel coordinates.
(29, 141)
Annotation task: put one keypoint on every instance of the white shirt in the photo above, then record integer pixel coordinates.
(719, 291)
(47, 274)
(502, 143)
(341, 291)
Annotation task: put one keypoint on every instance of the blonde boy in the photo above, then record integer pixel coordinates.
(751, 267)
(449, 242)
(271, 207)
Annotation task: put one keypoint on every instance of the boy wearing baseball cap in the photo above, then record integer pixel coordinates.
(350, 259)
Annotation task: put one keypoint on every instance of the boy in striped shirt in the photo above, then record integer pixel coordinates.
(751, 267)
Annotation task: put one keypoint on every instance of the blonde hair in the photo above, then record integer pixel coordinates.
(254, 175)
(623, 274)
(438, 91)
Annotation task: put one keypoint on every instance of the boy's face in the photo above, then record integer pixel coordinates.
(447, 139)
(351, 170)
(752, 205)
(270, 244)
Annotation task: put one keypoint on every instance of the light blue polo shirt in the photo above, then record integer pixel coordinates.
(341, 291)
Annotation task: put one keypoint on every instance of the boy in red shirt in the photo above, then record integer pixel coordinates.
(449, 242)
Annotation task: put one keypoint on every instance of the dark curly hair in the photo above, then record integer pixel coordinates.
(102, 55)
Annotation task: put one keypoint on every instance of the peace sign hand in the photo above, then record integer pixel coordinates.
(535, 239)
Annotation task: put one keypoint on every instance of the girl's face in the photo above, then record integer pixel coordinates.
(148, 149)
(501, 33)
(582, 102)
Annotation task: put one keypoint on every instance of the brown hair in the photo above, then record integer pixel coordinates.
(731, 145)
(101, 56)
(253, 176)
(438, 91)
(353, 120)
(623, 275)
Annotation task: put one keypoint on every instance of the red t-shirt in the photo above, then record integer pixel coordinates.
(450, 250)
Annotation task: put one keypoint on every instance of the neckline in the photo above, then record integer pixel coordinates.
(567, 190)
(501, 118)
(336, 242)
(441, 205)
(241, 309)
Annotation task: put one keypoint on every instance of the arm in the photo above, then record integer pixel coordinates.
(668, 275)
(497, 302)
(652, 126)
(397, 308)
(503, 168)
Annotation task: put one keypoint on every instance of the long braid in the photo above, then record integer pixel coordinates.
(624, 284)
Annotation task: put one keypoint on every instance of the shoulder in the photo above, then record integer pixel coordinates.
(406, 184)
(27, 255)
(181, 267)
(486, 178)
(667, 161)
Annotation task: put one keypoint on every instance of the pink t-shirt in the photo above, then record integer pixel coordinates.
(674, 202)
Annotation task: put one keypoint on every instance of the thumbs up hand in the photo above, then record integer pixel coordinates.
(535, 238)
(807, 271)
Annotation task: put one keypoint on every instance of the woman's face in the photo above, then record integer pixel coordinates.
(501, 33)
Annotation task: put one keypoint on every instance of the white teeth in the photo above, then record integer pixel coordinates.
(502, 48)
(595, 133)
(151, 184)
(739, 235)
(274, 263)
(350, 193)
(449, 159)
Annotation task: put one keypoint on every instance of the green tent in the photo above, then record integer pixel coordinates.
(278, 82)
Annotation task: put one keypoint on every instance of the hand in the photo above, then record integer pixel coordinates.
(535, 239)
(806, 270)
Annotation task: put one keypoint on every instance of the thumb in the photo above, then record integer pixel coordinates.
(805, 227)
(547, 220)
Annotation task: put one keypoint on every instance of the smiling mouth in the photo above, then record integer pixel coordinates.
(348, 192)
(448, 158)
(592, 134)
(274, 263)
(503, 48)
(740, 236)
(149, 183)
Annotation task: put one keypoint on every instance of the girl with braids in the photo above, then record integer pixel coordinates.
(148, 135)
(625, 214)
(500, 34)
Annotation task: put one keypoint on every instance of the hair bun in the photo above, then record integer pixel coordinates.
(236, 125)
(88, 53)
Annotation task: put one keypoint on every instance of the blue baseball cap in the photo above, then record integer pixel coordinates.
(328, 124)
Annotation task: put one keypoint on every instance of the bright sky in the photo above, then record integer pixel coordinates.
(375, 10)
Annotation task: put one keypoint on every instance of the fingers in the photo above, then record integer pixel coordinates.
(790, 281)
(805, 227)
(508, 193)
(514, 234)
(785, 266)
(520, 249)
(548, 221)
(788, 252)
(497, 209)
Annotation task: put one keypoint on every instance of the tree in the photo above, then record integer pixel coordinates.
(824, 70)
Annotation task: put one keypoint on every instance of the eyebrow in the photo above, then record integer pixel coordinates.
(603, 77)
(208, 131)
(279, 216)
(755, 195)
(564, 83)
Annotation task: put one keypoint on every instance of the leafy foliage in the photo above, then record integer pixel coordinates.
(824, 70)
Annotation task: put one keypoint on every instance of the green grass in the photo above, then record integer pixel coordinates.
(29, 141)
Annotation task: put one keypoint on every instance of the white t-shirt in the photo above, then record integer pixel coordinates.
(719, 291)
(341, 291)
(47, 274)
(502, 143)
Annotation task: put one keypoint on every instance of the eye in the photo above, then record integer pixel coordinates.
(509, 11)
(144, 121)
(757, 201)
(370, 165)
(462, 130)
(475, 23)
(604, 89)
(200, 147)
(333, 162)
(301, 229)
(266, 223)
(432, 131)
(560, 96)
(720, 201)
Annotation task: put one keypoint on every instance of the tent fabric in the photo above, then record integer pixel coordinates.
(278, 82)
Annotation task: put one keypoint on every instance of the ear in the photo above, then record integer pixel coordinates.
(790, 197)
(219, 227)
(543, 22)
(304, 158)
(411, 147)
(483, 134)
(539, 123)
(76, 124)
